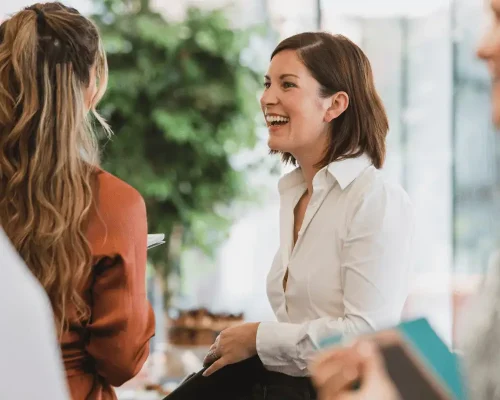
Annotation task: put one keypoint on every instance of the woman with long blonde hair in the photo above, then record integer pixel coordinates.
(81, 231)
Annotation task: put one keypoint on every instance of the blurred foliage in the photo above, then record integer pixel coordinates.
(181, 103)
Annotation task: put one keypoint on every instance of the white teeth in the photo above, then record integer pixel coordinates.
(276, 118)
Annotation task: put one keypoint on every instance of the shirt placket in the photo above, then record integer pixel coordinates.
(317, 198)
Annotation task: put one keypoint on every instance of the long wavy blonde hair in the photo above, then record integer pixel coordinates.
(48, 151)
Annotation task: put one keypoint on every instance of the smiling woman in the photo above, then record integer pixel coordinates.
(345, 231)
(332, 105)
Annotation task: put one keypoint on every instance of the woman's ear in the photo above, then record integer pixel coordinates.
(339, 103)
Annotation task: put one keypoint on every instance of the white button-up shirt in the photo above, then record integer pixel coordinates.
(349, 269)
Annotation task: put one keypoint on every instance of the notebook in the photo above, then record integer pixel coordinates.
(420, 364)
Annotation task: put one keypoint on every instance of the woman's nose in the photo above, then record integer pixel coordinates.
(269, 97)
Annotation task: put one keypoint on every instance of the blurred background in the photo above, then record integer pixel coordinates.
(185, 78)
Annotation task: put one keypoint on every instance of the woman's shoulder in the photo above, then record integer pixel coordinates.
(117, 201)
(113, 191)
(374, 182)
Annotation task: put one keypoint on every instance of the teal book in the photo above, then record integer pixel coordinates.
(438, 357)
(434, 361)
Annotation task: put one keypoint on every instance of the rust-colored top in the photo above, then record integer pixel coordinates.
(112, 347)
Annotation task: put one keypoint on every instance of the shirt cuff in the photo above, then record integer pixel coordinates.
(277, 343)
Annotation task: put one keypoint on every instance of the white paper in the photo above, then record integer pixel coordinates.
(155, 239)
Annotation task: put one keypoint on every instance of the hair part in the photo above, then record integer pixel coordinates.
(340, 65)
(48, 151)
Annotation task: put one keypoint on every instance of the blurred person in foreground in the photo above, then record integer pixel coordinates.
(345, 231)
(335, 370)
(81, 231)
(30, 365)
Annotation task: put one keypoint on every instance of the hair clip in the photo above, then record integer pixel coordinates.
(40, 17)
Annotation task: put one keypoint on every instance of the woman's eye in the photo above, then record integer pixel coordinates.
(288, 85)
(267, 85)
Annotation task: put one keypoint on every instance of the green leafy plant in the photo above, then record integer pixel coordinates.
(181, 103)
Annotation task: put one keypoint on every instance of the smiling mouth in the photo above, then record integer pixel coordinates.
(276, 120)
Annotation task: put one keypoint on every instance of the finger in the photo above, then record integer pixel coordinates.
(347, 396)
(221, 362)
(342, 396)
(369, 350)
(213, 349)
(210, 353)
(329, 356)
(332, 363)
(210, 357)
(373, 365)
(338, 381)
(321, 373)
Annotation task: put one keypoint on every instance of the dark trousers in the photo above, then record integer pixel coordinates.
(247, 380)
(276, 386)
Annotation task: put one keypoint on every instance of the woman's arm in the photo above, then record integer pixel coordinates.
(122, 318)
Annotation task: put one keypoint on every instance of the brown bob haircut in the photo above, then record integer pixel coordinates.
(340, 65)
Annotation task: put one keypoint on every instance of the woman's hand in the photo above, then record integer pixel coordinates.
(334, 372)
(233, 345)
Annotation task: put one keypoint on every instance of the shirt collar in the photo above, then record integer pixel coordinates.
(343, 171)
(347, 170)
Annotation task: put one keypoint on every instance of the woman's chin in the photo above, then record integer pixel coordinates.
(274, 144)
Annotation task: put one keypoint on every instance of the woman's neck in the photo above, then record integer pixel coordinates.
(309, 171)
(309, 158)
(309, 168)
